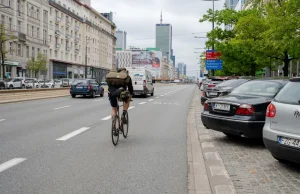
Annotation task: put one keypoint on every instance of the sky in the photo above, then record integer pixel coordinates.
(138, 19)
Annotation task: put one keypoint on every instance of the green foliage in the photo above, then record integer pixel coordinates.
(265, 35)
(38, 65)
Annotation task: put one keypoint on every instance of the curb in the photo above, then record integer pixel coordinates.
(210, 165)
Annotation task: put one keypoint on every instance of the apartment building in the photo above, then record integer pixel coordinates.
(83, 41)
(78, 41)
(28, 22)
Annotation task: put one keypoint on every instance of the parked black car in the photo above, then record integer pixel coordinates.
(242, 112)
(86, 87)
(222, 89)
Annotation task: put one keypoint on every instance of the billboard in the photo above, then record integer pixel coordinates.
(147, 59)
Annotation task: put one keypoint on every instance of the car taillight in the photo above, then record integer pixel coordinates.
(245, 109)
(211, 85)
(144, 83)
(70, 87)
(271, 111)
(203, 94)
(89, 87)
(206, 106)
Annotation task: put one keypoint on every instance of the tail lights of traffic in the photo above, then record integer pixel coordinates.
(144, 83)
(245, 109)
(211, 85)
(271, 111)
(206, 106)
(89, 87)
(203, 94)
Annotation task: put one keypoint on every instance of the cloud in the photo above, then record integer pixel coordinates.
(138, 19)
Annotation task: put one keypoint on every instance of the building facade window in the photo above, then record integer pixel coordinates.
(19, 26)
(19, 50)
(38, 32)
(27, 51)
(33, 52)
(10, 23)
(11, 48)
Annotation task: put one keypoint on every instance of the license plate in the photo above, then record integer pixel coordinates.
(79, 87)
(289, 142)
(213, 93)
(225, 107)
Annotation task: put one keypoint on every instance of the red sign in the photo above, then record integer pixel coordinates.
(212, 55)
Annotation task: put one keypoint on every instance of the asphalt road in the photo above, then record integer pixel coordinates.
(152, 160)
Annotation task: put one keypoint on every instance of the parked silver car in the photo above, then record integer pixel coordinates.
(281, 133)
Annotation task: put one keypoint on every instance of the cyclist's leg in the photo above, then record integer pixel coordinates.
(114, 103)
(127, 104)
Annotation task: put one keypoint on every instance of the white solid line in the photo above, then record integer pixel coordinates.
(131, 107)
(106, 118)
(97, 100)
(142, 103)
(157, 97)
(62, 107)
(74, 133)
(2, 120)
(11, 163)
(150, 100)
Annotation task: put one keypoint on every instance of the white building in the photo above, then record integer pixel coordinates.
(83, 41)
(66, 31)
(28, 22)
(121, 40)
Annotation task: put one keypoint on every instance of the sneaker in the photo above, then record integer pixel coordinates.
(124, 118)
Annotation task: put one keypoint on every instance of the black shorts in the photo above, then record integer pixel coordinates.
(113, 99)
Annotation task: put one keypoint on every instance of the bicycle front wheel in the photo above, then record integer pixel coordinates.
(115, 130)
(125, 126)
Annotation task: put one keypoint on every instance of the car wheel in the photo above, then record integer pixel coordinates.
(52, 86)
(73, 96)
(2, 87)
(94, 94)
(145, 95)
(23, 86)
(152, 94)
(11, 87)
(102, 93)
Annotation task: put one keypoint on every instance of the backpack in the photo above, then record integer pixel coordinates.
(117, 79)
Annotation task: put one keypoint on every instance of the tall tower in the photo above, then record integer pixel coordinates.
(164, 37)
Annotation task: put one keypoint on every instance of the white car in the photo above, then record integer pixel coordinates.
(13, 83)
(32, 83)
(51, 84)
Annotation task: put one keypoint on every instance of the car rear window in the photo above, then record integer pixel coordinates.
(258, 88)
(79, 82)
(290, 94)
(233, 83)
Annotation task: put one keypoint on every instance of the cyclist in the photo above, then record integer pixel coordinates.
(122, 92)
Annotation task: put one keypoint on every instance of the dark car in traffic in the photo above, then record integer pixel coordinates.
(2, 85)
(242, 112)
(86, 87)
(222, 89)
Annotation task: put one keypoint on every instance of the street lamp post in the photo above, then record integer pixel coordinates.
(213, 27)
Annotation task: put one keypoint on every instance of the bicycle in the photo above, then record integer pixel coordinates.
(118, 128)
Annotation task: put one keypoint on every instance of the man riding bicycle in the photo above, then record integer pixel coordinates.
(119, 88)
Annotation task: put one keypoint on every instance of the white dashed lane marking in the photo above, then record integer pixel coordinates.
(2, 120)
(62, 107)
(142, 102)
(150, 100)
(73, 134)
(11, 163)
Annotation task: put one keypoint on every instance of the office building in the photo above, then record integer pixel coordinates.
(76, 38)
(184, 69)
(164, 38)
(28, 22)
(121, 40)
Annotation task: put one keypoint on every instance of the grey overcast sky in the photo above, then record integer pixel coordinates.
(138, 19)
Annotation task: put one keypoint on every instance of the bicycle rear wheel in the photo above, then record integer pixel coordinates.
(115, 130)
(125, 126)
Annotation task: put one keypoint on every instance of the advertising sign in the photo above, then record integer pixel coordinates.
(148, 59)
(212, 61)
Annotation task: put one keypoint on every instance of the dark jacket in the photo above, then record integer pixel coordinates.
(128, 87)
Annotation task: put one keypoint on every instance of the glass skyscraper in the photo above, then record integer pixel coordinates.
(164, 39)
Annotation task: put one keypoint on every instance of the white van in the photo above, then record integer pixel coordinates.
(141, 81)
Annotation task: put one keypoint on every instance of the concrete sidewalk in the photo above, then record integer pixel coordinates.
(207, 173)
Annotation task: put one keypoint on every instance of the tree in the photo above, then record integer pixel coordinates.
(5, 36)
(38, 65)
(282, 39)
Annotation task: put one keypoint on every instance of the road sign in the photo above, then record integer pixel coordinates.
(212, 55)
(214, 64)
